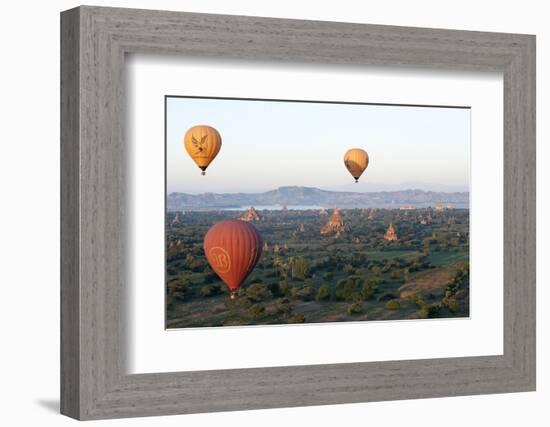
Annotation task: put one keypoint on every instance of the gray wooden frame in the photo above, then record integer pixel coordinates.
(94, 41)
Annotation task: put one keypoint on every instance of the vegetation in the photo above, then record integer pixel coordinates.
(304, 276)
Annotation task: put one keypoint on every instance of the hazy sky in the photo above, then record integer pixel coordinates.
(266, 145)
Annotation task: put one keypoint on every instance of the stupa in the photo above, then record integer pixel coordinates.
(391, 234)
(251, 215)
(335, 224)
(176, 220)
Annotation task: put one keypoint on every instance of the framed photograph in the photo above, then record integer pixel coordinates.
(261, 213)
(275, 250)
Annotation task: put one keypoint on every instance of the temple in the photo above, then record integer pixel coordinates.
(335, 224)
(391, 234)
(251, 215)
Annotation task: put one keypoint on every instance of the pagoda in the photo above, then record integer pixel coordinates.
(335, 224)
(391, 234)
(251, 215)
(176, 220)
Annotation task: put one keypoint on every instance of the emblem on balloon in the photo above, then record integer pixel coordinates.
(220, 258)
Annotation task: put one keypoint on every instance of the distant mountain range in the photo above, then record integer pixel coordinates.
(309, 196)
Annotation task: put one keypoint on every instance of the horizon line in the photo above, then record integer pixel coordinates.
(321, 189)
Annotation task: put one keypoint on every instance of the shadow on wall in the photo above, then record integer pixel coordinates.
(51, 405)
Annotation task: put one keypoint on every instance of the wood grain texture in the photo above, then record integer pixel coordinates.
(70, 314)
(94, 381)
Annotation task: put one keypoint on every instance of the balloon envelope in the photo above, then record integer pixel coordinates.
(233, 248)
(356, 161)
(203, 144)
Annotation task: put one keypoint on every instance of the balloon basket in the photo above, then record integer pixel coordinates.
(203, 173)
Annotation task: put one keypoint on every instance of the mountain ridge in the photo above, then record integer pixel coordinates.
(312, 196)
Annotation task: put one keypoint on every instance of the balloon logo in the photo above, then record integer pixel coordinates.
(202, 143)
(356, 161)
(233, 248)
(220, 258)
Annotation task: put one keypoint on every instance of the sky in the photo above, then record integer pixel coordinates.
(266, 145)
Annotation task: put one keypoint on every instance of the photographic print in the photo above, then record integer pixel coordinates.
(289, 212)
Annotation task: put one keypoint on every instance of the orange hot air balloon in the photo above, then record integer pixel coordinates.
(203, 144)
(233, 248)
(356, 161)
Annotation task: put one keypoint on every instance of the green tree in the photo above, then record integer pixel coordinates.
(283, 306)
(256, 311)
(452, 305)
(355, 308)
(392, 304)
(369, 287)
(300, 268)
(323, 293)
(258, 292)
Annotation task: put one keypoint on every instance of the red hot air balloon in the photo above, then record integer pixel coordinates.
(233, 248)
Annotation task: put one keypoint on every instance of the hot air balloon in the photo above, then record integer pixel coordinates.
(233, 248)
(356, 161)
(202, 143)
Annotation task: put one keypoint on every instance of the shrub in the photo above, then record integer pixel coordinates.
(369, 287)
(323, 293)
(452, 305)
(304, 293)
(348, 268)
(392, 304)
(354, 279)
(355, 308)
(284, 288)
(243, 301)
(283, 306)
(341, 283)
(461, 294)
(257, 292)
(256, 311)
(428, 310)
(340, 295)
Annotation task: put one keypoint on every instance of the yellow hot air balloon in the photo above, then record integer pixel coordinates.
(202, 143)
(356, 161)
